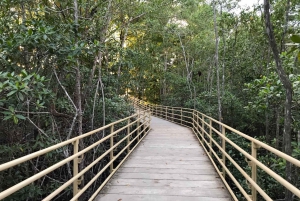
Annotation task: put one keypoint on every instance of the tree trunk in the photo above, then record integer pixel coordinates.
(78, 99)
(288, 94)
(217, 64)
(188, 80)
(102, 39)
(223, 60)
(286, 20)
(165, 70)
(78, 75)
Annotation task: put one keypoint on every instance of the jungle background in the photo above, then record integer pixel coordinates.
(67, 67)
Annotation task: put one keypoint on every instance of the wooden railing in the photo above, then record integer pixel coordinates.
(135, 128)
(212, 136)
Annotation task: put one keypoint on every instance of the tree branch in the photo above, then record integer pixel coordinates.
(64, 89)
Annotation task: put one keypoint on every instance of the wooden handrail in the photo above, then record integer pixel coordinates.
(199, 122)
(142, 126)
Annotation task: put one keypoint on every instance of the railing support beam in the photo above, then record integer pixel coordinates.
(254, 148)
(128, 136)
(75, 167)
(210, 134)
(167, 113)
(112, 151)
(224, 148)
(181, 115)
(138, 127)
(172, 114)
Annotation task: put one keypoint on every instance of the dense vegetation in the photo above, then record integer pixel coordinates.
(65, 67)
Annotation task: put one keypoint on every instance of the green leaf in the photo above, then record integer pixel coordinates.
(11, 93)
(24, 72)
(11, 109)
(295, 38)
(21, 96)
(20, 116)
(7, 117)
(30, 32)
(27, 78)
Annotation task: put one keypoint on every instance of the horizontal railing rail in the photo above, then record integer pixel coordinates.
(204, 128)
(136, 128)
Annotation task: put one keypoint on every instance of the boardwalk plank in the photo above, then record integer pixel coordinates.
(166, 176)
(189, 192)
(168, 161)
(168, 165)
(167, 171)
(166, 158)
(124, 197)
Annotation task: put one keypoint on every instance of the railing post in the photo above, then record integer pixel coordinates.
(193, 121)
(75, 167)
(210, 135)
(112, 151)
(254, 148)
(144, 122)
(172, 114)
(166, 112)
(198, 124)
(203, 125)
(224, 148)
(159, 111)
(128, 136)
(181, 115)
(138, 127)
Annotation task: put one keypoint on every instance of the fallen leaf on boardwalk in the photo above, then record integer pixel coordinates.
(119, 199)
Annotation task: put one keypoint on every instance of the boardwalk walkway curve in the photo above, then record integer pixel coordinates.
(212, 136)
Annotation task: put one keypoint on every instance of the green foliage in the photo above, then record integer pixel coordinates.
(15, 89)
(267, 90)
(295, 38)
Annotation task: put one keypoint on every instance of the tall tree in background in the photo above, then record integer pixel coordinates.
(217, 62)
(288, 93)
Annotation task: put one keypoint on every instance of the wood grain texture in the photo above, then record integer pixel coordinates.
(168, 165)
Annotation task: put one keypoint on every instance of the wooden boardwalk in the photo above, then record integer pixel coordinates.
(169, 165)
